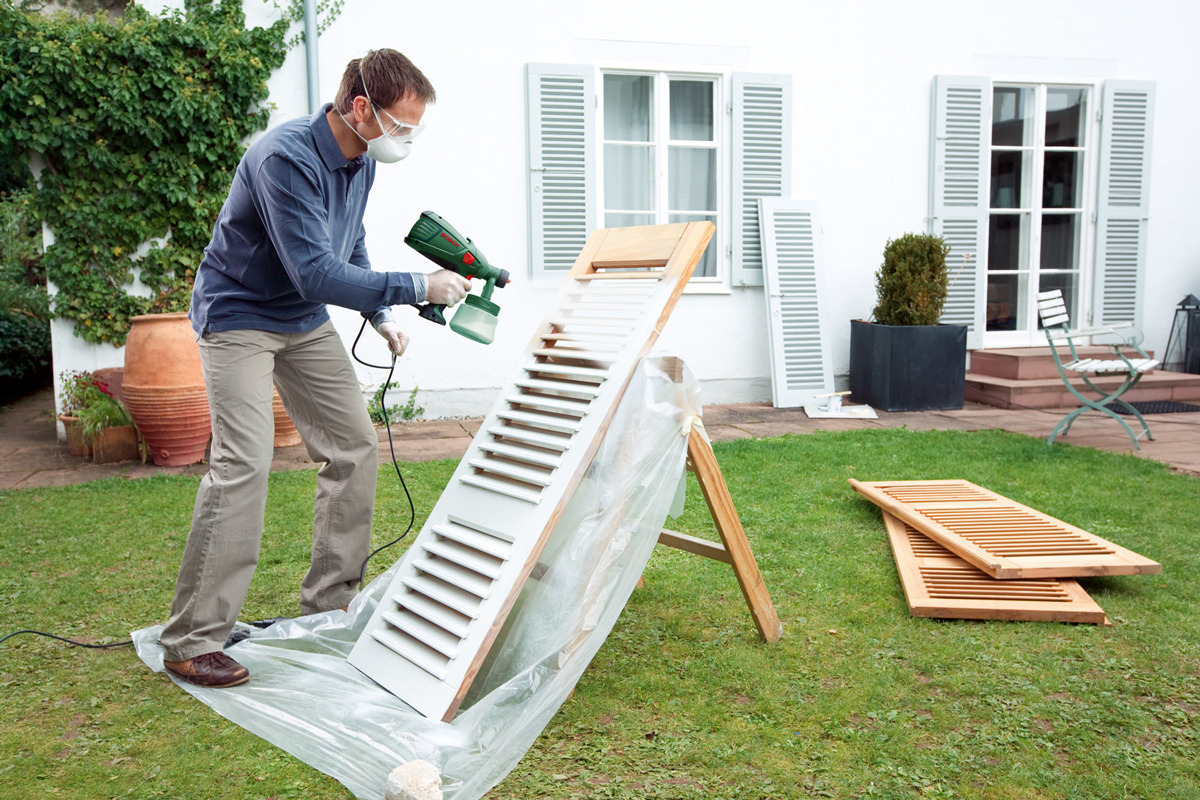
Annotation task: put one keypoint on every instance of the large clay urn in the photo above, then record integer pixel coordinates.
(164, 388)
(286, 434)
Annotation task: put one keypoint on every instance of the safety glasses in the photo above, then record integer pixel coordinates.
(407, 130)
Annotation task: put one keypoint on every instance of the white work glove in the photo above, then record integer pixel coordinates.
(397, 339)
(446, 287)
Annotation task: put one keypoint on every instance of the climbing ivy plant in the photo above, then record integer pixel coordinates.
(139, 123)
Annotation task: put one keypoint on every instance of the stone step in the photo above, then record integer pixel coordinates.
(1051, 393)
(1029, 363)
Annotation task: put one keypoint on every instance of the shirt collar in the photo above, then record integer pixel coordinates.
(327, 144)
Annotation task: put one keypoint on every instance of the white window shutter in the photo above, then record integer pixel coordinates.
(962, 113)
(1123, 207)
(561, 101)
(762, 163)
(792, 260)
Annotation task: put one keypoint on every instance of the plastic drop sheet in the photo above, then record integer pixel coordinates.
(305, 698)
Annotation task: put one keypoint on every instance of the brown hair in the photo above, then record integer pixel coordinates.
(389, 75)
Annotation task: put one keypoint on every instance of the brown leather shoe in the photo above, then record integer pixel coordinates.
(214, 670)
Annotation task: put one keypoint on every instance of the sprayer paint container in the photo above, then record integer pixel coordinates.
(476, 320)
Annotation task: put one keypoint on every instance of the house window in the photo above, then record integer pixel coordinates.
(1039, 206)
(661, 154)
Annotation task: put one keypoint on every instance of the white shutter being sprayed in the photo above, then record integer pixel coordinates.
(959, 194)
(1123, 201)
(562, 161)
(762, 163)
(457, 583)
(800, 367)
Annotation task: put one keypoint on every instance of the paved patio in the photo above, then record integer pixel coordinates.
(31, 456)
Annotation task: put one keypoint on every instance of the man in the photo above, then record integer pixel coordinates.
(289, 240)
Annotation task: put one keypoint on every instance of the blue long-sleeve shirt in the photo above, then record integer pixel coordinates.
(290, 239)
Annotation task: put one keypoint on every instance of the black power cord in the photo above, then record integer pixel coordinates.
(68, 641)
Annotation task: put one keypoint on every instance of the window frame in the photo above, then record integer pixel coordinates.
(1089, 192)
(721, 282)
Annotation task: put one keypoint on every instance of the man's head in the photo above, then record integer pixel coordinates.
(388, 77)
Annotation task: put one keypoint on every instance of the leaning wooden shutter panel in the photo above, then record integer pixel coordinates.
(800, 367)
(1124, 201)
(457, 583)
(959, 193)
(1000, 536)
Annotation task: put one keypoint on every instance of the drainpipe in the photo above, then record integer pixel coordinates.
(310, 49)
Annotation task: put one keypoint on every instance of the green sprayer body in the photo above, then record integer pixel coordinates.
(436, 239)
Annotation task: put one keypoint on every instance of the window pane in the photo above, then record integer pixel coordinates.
(1012, 108)
(628, 177)
(1004, 241)
(1061, 184)
(627, 107)
(1060, 241)
(707, 268)
(1004, 293)
(692, 111)
(627, 220)
(692, 179)
(1064, 117)
(1010, 169)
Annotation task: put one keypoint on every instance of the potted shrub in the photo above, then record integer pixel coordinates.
(904, 360)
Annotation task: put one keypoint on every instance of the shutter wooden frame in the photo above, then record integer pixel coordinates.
(561, 143)
(793, 261)
(1000, 536)
(1123, 202)
(960, 181)
(456, 584)
(762, 163)
(940, 585)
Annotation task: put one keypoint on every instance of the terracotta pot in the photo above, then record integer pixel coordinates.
(286, 434)
(163, 388)
(119, 443)
(76, 445)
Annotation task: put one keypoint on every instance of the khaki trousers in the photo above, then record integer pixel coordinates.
(320, 391)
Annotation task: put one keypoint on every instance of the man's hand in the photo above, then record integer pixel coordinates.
(446, 287)
(397, 339)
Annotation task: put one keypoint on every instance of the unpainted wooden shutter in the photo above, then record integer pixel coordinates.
(561, 101)
(800, 367)
(762, 163)
(1000, 536)
(941, 585)
(962, 113)
(456, 584)
(1124, 201)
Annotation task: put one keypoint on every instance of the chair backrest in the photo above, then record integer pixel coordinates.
(1053, 309)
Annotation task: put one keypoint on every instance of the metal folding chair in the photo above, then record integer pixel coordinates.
(1055, 322)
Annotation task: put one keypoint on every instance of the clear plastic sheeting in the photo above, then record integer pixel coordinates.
(305, 698)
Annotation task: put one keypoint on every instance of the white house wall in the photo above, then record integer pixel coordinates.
(862, 75)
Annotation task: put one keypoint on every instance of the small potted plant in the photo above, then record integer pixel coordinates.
(70, 400)
(905, 360)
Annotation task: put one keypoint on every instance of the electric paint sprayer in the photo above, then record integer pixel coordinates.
(435, 239)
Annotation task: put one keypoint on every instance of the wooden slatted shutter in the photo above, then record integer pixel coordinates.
(1000, 536)
(561, 102)
(962, 112)
(1123, 207)
(762, 163)
(800, 367)
(941, 585)
(456, 584)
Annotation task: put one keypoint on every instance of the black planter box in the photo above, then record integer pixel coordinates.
(908, 367)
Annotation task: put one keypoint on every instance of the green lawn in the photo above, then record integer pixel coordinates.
(683, 701)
